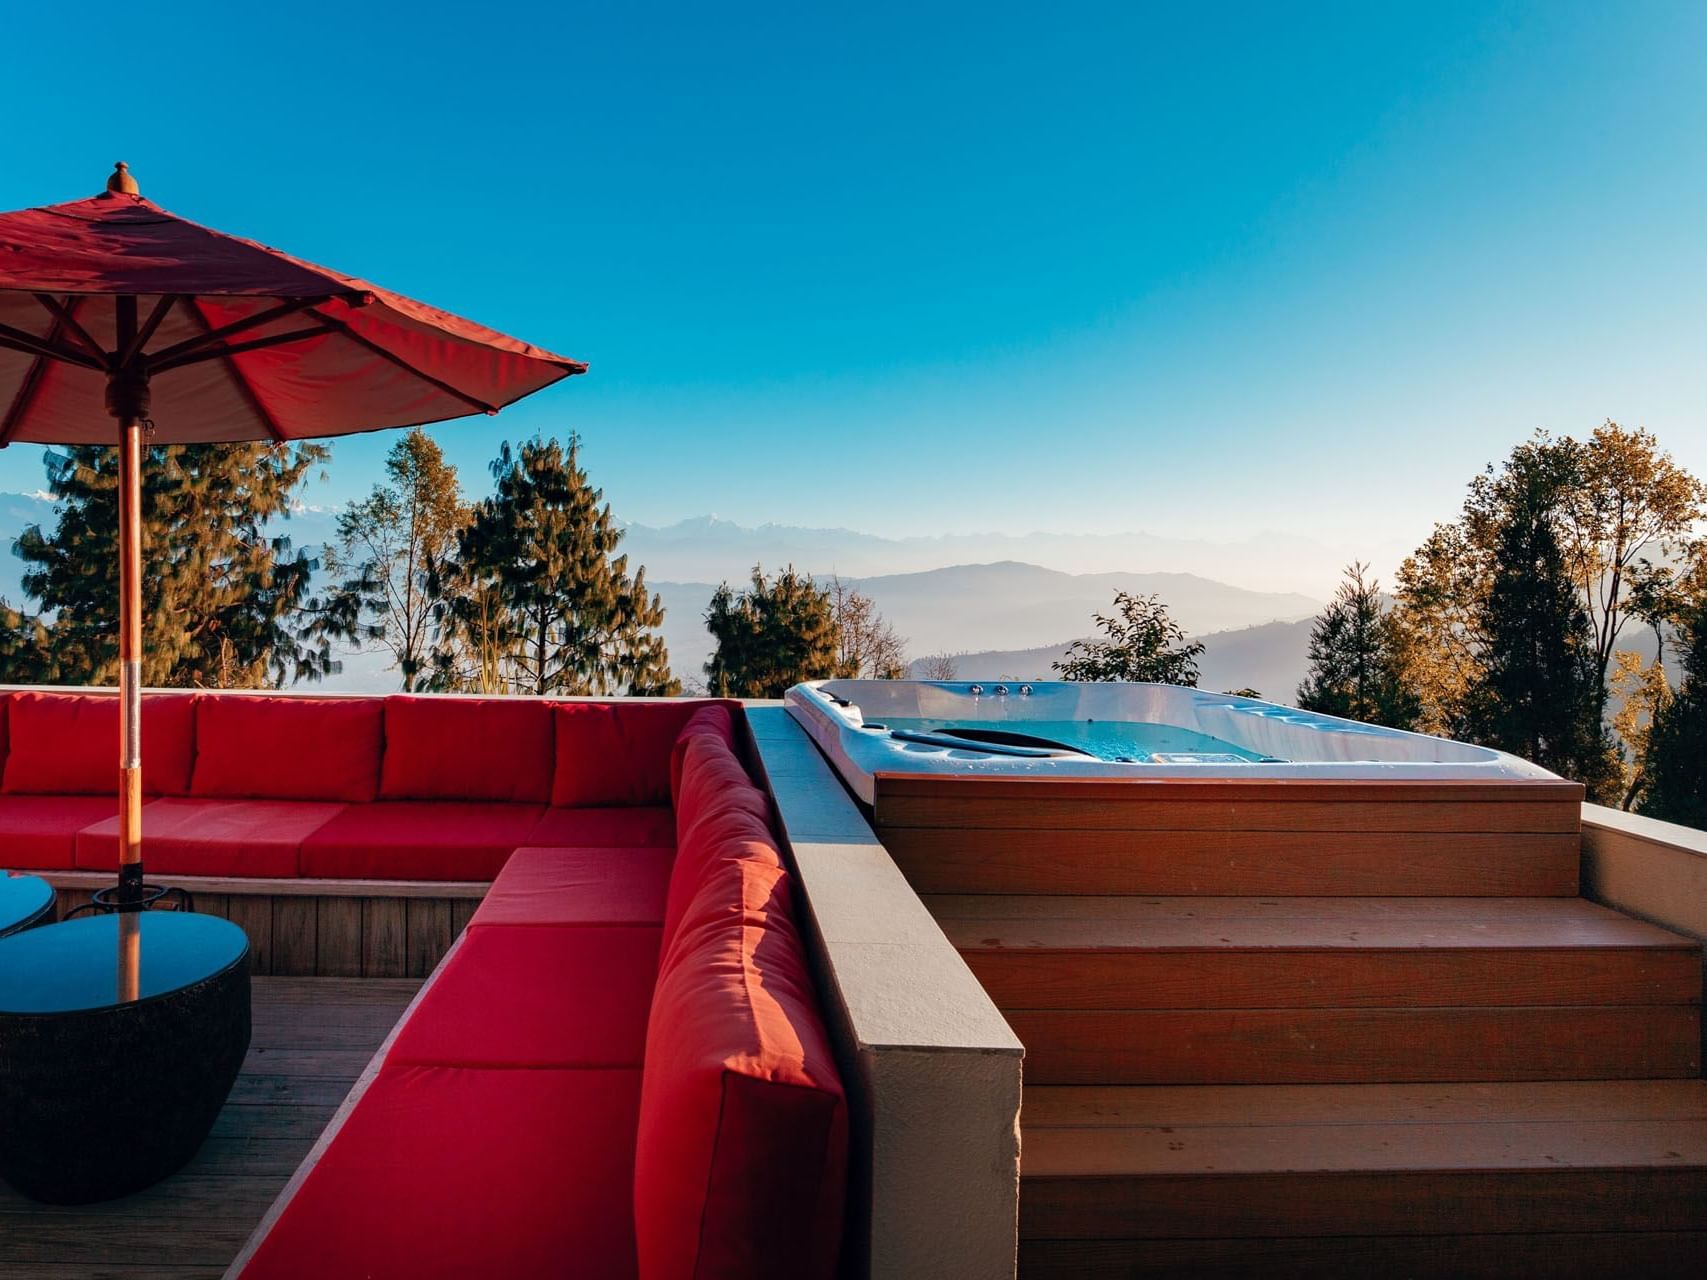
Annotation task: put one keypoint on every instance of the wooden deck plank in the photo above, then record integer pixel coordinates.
(193, 1223)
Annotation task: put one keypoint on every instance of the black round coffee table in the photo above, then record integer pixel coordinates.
(25, 901)
(101, 1095)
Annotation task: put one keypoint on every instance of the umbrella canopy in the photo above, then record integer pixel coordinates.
(118, 318)
(236, 341)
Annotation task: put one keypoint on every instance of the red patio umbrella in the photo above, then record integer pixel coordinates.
(119, 320)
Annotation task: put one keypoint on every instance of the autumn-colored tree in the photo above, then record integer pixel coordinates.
(226, 601)
(1436, 626)
(866, 644)
(778, 632)
(1141, 642)
(538, 600)
(1355, 667)
(1626, 508)
(937, 666)
(389, 543)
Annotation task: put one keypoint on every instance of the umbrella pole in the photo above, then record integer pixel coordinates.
(127, 400)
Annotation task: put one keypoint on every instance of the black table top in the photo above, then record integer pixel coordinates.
(73, 966)
(22, 898)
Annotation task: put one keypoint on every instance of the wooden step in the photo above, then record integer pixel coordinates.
(1345, 1046)
(1174, 836)
(1308, 863)
(1245, 953)
(1342, 1179)
(1333, 991)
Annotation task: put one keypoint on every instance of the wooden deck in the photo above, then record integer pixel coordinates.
(311, 1040)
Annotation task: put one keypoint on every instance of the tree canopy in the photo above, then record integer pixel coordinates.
(390, 543)
(1142, 642)
(537, 598)
(776, 633)
(1356, 670)
(226, 600)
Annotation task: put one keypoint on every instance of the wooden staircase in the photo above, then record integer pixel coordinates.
(1432, 1083)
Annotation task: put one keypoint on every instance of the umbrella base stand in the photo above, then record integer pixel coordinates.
(100, 1102)
(141, 897)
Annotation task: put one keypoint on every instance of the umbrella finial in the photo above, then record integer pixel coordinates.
(121, 183)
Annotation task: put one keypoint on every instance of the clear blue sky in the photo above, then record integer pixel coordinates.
(927, 268)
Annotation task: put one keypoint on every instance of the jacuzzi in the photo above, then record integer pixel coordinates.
(1061, 729)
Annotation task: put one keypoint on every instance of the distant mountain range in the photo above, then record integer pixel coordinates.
(1020, 612)
(1270, 658)
(1007, 614)
(711, 549)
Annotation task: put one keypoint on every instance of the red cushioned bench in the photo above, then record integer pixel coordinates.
(619, 1070)
(408, 789)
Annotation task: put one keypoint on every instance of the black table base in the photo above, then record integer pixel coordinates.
(103, 1102)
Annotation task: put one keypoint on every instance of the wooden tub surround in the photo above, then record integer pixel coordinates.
(1324, 1028)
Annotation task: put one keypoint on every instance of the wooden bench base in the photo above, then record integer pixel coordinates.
(321, 928)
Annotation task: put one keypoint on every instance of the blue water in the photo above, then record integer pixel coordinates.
(1105, 739)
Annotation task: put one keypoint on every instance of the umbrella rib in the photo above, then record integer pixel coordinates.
(18, 340)
(143, 334)
(237, 348)
(244, 388)
(63, 314)
(30, 385)
(403, 364)
(210, 335)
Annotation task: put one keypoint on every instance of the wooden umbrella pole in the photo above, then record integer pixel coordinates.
(130, 659)
(127, 401)
(130, 708)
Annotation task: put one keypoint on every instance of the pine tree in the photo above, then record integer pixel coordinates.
(1355, 666)
(390, 541)
(775, 634)
(538, 600)
(1143, 643)
(1539, 693)
(1675, 761)
(225, 604)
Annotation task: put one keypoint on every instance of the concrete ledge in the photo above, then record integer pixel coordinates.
(1656, 871)
(934, 1068)
(1647, 868)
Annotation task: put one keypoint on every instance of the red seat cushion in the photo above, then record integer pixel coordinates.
(604, 828)
(616, 753)
(418, 840)
(715, 720)
(568, 996)
(578, 886)
(68, 744)
(467, 749)
(442, 1173)
(261, 748)
(741, 1159)
(213, 837)
(40, 832)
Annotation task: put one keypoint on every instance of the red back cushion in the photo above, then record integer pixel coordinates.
(254, 747)
(741, 1157)
(68, 743)
(722, 816)
(467, 749)
(714, 720)
(615, 753)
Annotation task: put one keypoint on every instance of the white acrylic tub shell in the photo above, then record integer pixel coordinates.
(1310, 745)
